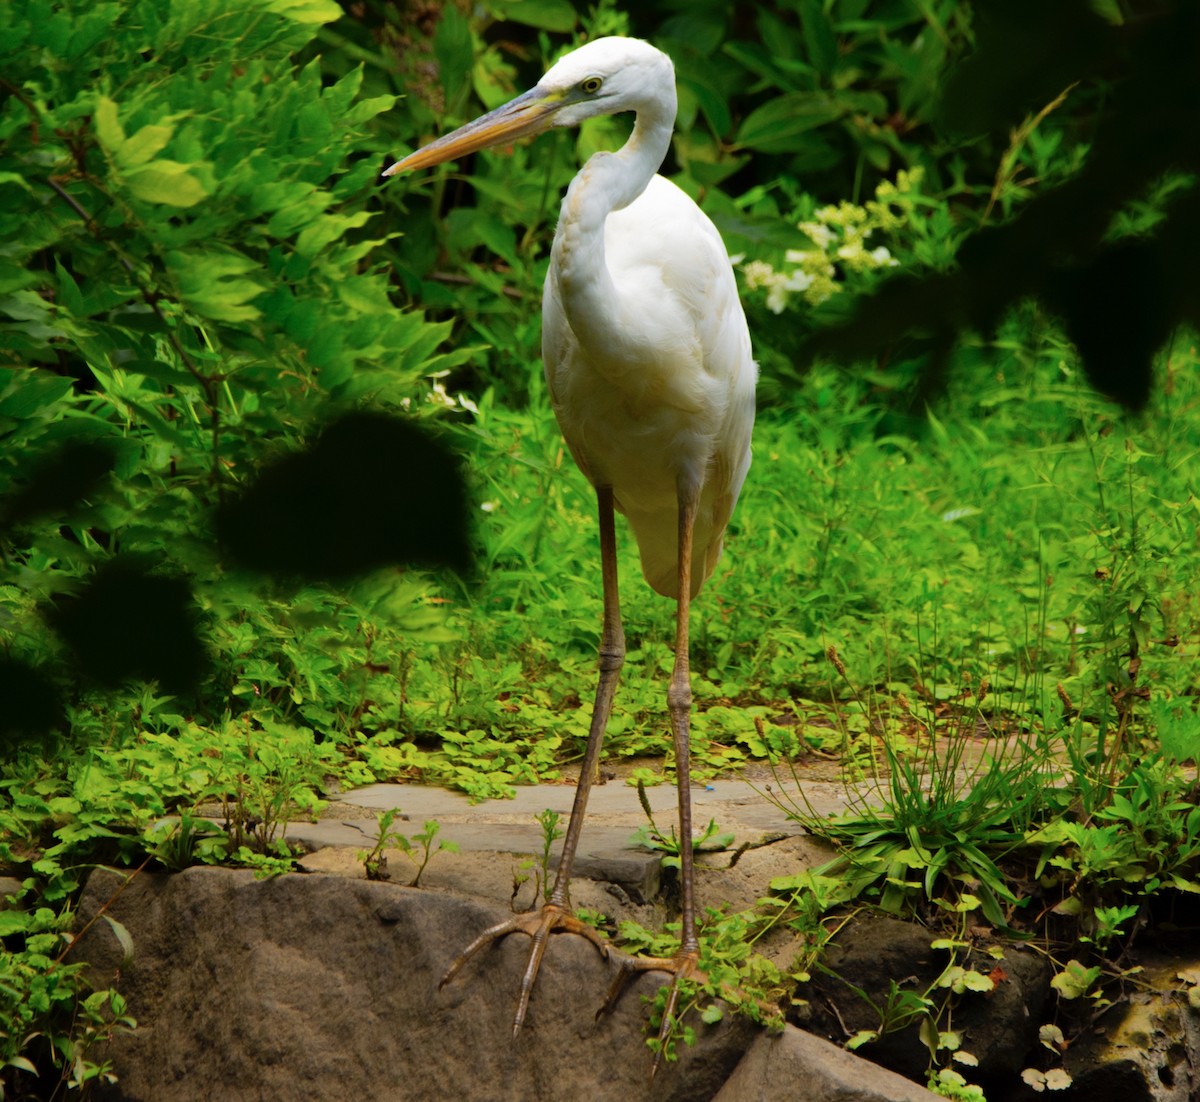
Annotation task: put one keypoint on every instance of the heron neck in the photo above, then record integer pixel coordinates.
(636, 162)
(607, 183)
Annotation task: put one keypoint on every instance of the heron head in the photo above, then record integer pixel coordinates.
(603, 77)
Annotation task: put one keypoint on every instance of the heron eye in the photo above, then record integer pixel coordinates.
(591, 86)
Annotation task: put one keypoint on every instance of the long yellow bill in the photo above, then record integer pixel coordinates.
(528, 114)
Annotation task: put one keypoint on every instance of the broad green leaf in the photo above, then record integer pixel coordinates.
(976, 981)
(143, 146)
(306, 11)
(711, 103)
(328, 229)
(108, 126)
(32, 391)
(546, 15)
(1075, 980)
(167, 182)
(13, 922)
(208, 283)
(779, 126)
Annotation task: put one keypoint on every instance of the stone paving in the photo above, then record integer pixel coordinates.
(745, 809)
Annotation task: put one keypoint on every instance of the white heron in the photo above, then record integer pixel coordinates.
(648, 363)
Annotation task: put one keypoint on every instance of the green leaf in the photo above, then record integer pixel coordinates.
(819, 40)
(862, 1037)
(779, 126)
(1075, 980)
(32, 391)
(13, 922)
(306, 11)
(167, 182)
(124, 938)
(208, 283)
(454, 50)
(546, 15)
(714, 105)
(977, 981)
(108, 126)
(327, 230)
(143, 146)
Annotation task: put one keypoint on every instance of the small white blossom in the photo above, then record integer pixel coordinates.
(777, 296)
(817, 232)
(758, 273)
(438, 396)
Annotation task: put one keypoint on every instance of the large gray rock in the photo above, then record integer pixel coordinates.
(325, 987)
(322, 987)
(797, 1065)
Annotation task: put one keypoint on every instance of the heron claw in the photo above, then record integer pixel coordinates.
(684, 966)
(538, 925)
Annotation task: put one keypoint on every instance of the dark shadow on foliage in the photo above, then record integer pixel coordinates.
(1119, 300)
(130, 622)
(58, 483)
(373, 491)
(32, 703)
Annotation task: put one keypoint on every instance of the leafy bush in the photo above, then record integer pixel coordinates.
(189, 292)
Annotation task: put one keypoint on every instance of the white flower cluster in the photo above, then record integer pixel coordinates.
(839, 235)
(439, 396)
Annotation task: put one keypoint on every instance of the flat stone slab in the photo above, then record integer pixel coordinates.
(614, 814)
(500, 841)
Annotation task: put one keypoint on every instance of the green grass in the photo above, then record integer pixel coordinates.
(1028, 534)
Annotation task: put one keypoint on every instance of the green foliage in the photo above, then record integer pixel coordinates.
(548, 820)
(419, 849)
(188, 288)
(652, 837)
(187, 280)
(729, 970)
(45, 1008)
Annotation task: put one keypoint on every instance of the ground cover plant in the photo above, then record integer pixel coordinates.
(199, 272)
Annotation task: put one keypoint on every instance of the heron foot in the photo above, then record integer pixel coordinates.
(538, 925)
(684, 966)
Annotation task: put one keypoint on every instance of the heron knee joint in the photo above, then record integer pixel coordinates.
(679, 696)
(611, 658)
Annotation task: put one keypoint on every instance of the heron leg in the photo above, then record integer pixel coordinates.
(556, 915)
(684, 965)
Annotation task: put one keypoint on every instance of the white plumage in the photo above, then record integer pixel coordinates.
(648, 361)
(645, 344)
